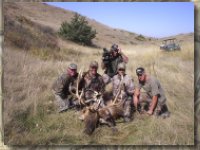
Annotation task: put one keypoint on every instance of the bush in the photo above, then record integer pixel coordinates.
(140, 38)
(78, 30)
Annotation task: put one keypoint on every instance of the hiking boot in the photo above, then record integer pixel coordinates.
(165, 115)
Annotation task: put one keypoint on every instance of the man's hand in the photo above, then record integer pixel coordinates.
(153, 105)
(149, 112)
(125, 58)
(119, 50)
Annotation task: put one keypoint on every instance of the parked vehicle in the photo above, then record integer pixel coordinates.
(170, 45)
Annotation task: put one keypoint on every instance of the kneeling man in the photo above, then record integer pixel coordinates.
(150, 91)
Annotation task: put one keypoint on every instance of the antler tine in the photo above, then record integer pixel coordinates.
(98, 104)
(78, 80)
(95, 94)
(70, 90)
(81, 100)
(80, 96)
(73, 94)
(119, 90)
(77, 89)
(116, 97)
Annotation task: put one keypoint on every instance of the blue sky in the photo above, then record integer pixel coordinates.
(155, 19)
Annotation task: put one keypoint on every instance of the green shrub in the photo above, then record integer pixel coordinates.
(78, 30)
(140, 38)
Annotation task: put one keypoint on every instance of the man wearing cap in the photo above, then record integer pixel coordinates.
(150, 91)
(124, 82)
(116, 57)
(91, 80)
(60, 87)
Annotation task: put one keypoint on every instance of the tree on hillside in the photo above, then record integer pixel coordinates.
(78, 30)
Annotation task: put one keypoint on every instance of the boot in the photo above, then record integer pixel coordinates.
(165, 112)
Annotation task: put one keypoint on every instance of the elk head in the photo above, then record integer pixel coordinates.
(90, 116)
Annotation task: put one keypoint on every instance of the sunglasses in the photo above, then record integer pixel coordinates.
(73, 70)
(94, 67)
(121, 69)
(139, 75)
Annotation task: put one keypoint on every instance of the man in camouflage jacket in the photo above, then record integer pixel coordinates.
(91, 80)
(126, 86)
(64, 99)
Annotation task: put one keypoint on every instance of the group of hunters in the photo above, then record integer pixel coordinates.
(148, 91)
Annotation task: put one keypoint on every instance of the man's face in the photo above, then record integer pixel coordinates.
(72, 72)
(142, 77)
(121, 71)
(114, 53)
(93, 70)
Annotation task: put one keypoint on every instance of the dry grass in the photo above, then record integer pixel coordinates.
(29, 113)
(29, 104)
(26, 34)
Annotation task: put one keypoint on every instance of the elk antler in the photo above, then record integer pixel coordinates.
(76, 95)
(98, 104)
(119, 89)
(95, 96)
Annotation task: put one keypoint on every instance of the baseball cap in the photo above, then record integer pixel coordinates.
(72, 66)
(139, 71)
(94, 64)
(114, 47)
(121, 66)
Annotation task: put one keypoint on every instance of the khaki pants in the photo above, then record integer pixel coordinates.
(127, 108)
(145, 99)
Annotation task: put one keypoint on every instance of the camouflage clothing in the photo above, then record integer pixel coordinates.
(90, 82)
(106, 79)
(61, 90)
(127, 109)
(66, 103)
(111, 68)
(127, 83)
(128, 88)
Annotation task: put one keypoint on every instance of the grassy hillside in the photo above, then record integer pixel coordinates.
(52, 17)
(30, 116)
